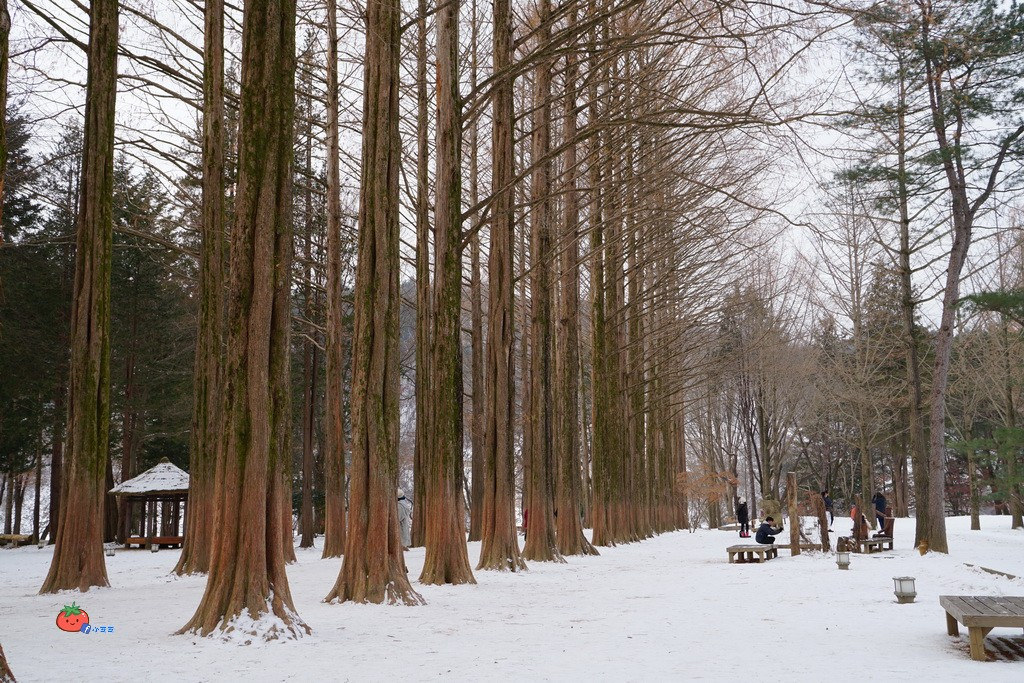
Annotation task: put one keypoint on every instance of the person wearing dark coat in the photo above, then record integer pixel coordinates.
(743, 517)
(879, 501)
(766, 532)
(828, 507)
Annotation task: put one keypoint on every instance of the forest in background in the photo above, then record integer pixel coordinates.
(632, 259)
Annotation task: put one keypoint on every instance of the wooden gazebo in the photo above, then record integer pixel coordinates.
(155, 503)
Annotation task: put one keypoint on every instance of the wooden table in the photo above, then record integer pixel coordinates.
(980, 614)
(746, 553)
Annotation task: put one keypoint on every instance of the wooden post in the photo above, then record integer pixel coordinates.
(794, 517)
(819, 508)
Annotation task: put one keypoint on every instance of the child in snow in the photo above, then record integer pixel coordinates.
(743, 517)
(766, 532)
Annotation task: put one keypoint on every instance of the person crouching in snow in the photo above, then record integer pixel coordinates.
(766, 532)
(405, 519)
(743, 517)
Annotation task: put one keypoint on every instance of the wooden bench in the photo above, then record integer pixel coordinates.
(980, 614)
(13, 540)
(868, 545)
(144, 542)
(746, 553)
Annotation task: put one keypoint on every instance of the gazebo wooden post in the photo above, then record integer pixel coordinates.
(151, 528)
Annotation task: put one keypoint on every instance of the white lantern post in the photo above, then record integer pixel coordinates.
(904, 589)
(843, 559)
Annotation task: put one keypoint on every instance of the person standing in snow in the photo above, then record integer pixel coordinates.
(879, 501)
(828, 508)
(766, 532)
(743, 517)
(405, 519)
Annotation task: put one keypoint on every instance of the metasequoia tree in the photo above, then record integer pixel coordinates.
(247, 578)
(310, 348)
(78, 556)
(422, 281)
(334, 452)
(541, 543)
(207, 429)
(566, 395)
(499, 548)
(476, 491)
(374, 568)
(446, 559)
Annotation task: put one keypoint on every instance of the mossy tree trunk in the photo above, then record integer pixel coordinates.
(247, 578)
(446, 560)
(310, 349)
(334, 456)
(422, 281)
(207, 430)
(476, 493)
(374, 568)
(78, 556)
(570, 537)
(541, 543)
(499, 549)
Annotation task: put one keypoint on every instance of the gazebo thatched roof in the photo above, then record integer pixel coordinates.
(164, 478)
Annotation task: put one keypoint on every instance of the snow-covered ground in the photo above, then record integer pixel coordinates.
(669, 608)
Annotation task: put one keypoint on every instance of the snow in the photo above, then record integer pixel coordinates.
(668, 608)
(163, 477)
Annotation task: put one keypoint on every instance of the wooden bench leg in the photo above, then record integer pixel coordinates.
(977, 635)
(952, 627)
(732, 558)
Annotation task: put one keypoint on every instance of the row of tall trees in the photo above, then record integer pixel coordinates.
(610, 163)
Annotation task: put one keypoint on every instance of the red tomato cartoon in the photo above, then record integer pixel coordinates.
(72, 618)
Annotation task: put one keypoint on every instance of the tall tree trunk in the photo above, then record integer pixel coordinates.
(916, 434)
(309, 356)
(446, 559)
(422, 388)
(571, 540)
(78, 556)
(5, 49)
(600, 413)
(500, 544)
(36, 495)
(247, 565)
(57, 455)
(109, 506)
(476, 498)
(19, 501)
(541, 543)
(374, 569)
(334, 457)
(7, 489)
(207, 408)
(129, 420)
